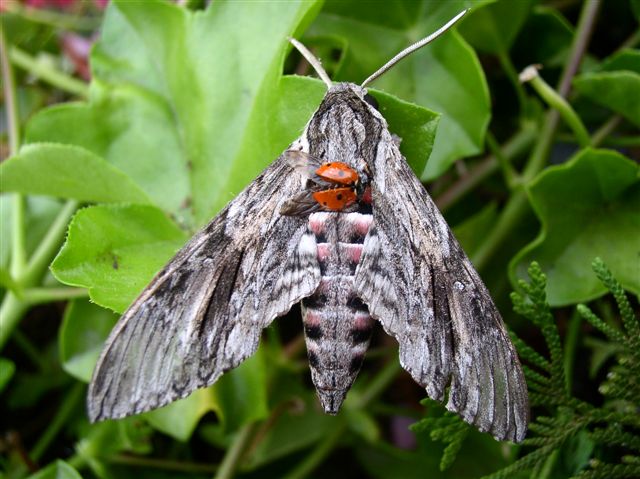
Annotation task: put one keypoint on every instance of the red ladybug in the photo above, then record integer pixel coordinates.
(335, 199)
(338, 173)
(343, 194)
(333, 186)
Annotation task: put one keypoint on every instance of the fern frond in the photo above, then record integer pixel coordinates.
(611, 471)
(524, 463)
(535, 380)
(615, 426)
(616, 436)
(529, 354)
(536, 308)
(608, 330)
(629, 319)
(609, 430)
(449, 429)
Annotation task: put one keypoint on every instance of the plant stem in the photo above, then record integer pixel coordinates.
(234, 453)
(47, 73)
(581, 38)
(48, 295)
(13, 120)
(52, 18)
(379, 384)
(319, 453)
(49, 245)
(554, 100)
(65, 410)
(516, 145)
(509, 218)
(18, 240)
(30, 351)
(12, 308)
(512, 74)
(18, 250)
(602, 133)
(162, 464)
(630, 42)
(509, 174)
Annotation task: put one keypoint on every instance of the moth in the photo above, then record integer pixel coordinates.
(340, 224)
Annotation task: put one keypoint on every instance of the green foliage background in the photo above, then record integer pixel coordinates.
(187, 104)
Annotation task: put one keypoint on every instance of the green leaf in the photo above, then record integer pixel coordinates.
(616, 90)
(297, 428)
(635, 8)
(445, 76)
(362, 424)
(241, 394)
(67, 172)
(114, 251)
(626, 59)
(84, 329)
(180, 418)
(182, 101)
(588, 207)
(133, 131)
(107, 438)
(7, 368)
(57, 470)
(493, 28)
(217, 78)
(575, 454)
(415, 125)
(545, 38)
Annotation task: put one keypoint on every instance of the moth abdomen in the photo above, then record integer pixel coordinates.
(337, 324)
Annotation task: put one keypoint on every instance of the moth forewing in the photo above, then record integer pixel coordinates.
(203, 313)
(340, 223)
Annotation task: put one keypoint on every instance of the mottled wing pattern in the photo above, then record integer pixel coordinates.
(421, 286)
(203, 313)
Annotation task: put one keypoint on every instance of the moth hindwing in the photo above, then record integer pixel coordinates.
(340, 223)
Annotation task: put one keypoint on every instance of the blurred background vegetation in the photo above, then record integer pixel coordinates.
(127, 125)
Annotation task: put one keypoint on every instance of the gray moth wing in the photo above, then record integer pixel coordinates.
(203, 313)
(418, 282)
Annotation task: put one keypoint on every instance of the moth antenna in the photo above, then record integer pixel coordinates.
(313, 61)
(419, 44)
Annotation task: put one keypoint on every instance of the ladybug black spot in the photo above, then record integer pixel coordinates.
(339, 197)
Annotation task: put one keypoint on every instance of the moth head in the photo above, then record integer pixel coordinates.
(346, 128)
